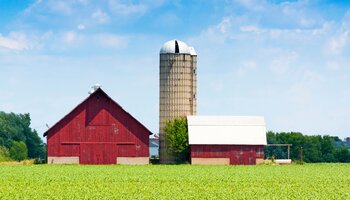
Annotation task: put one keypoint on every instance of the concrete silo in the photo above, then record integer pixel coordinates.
(177, 87)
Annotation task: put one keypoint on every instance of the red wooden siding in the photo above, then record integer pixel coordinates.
(238, 154)
(98, 131)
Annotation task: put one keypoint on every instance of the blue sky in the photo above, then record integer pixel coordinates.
(286, 60)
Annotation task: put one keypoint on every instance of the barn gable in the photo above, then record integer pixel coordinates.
(98, 131)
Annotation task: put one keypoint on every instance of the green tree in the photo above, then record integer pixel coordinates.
(312, 149)
(4, 154)
(343, 154)
(16, 127)
(328, 149)
(315, 148)
(176, 135)
(19, 151)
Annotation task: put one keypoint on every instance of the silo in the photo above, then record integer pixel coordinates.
(177, 87)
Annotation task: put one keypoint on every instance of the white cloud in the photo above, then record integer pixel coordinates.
(307, 22)
(246, 66)
(32, 7)
(81, 27)
(224, 25)
(100, 16)
(217, 34)
(62, 7)
(337, 43)
(83, 2)
(333, 65)
(110, 40)
(303, 91)
(243, 28)
(299, 94)
(251, 28)
(71, 37)
(14, 41)
(255, 5)
(128, 8)
(281, 63)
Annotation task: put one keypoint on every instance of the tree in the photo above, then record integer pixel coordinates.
(19, 151)
(328, 149)
(16, 127)
(4, 154)
(316, 148)
(343, 154)
(312, 149)
(176, 135)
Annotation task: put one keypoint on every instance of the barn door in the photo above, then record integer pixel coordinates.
(98, 146)
(97, 154)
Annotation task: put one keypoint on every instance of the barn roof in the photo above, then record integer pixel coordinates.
(98, 90)
(226, 130)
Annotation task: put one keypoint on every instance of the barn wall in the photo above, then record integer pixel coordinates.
(63, 160)
(238, 154)
(98, 131)
(133, 160)
(210, 161)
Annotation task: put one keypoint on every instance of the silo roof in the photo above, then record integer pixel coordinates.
(192, 51)
(175, 46)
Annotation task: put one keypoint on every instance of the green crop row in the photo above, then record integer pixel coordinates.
(310, 181)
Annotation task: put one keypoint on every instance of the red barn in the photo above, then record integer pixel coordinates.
(230, 140)
(98, 131)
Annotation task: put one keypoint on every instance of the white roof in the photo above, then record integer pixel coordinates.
(169, 47)
(192, 51)
(237, 130)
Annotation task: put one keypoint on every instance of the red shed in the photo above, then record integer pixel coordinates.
(234, 140)
(98, 131)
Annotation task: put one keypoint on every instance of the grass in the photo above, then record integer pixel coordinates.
(309, 181)
(13, 162)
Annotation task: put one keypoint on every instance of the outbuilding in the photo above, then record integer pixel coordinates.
(228, 140)
(98, 131)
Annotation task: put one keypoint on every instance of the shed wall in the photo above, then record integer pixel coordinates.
(238, 154)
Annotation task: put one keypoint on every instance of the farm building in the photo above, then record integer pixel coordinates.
(154, 147)
(234, 140)
(177, 88)
(98, 131)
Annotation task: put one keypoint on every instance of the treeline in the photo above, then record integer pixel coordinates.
(314, 148)
(17, 140)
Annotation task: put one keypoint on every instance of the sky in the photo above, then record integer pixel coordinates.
(285, 60)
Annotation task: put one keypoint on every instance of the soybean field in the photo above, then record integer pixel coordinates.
(308, 181)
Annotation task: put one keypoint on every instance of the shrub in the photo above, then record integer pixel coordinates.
(176, 134)
(4, 154)
(19, 151)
